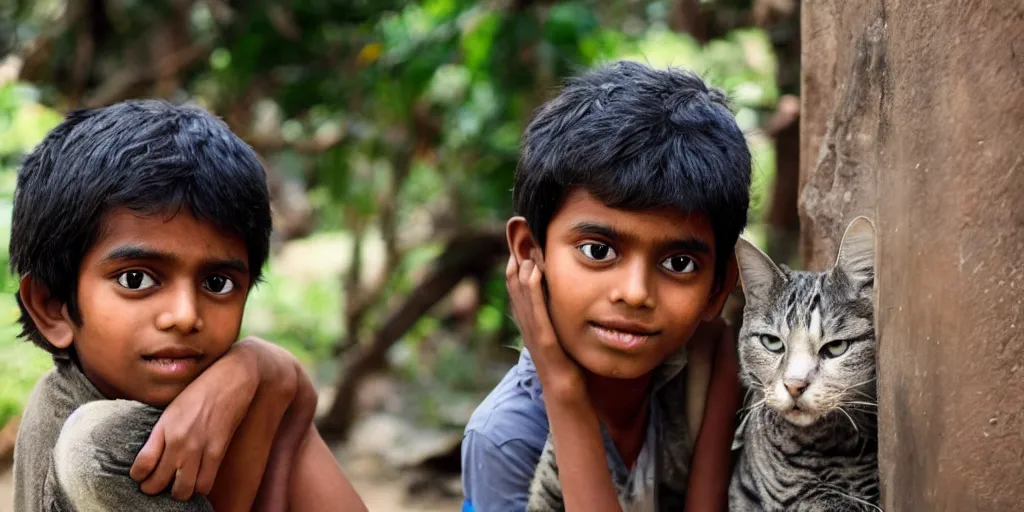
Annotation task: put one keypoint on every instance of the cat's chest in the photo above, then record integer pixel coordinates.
(825, 457)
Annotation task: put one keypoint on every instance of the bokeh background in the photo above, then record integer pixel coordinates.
(390, 133)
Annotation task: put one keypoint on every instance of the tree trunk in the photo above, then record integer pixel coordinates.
(919, 124)
(782, 20)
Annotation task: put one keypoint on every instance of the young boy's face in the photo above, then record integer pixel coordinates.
(626, 289)
(160, 299)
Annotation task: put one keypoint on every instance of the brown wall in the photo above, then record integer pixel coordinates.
(913, 114)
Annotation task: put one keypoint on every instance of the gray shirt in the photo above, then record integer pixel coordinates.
(75, 448)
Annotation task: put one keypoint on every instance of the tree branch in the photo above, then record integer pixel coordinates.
(119, 86)
(466, 255)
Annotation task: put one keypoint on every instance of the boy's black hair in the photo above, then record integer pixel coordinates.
(146, 155)
(637, 138)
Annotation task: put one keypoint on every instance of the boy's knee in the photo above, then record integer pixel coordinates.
(95, 452)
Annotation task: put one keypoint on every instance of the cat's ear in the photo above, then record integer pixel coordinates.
(758, 273)
(857, 252)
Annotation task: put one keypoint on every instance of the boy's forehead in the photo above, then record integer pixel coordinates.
(178, 233)
(582, 210)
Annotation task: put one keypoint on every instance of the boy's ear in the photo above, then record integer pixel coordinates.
(717, 302)
(521, 242)
(49, 314)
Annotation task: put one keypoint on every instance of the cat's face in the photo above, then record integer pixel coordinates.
(808, 340)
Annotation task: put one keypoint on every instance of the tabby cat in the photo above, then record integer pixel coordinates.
(807, 358)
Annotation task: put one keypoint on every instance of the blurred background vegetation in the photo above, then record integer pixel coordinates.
(390, 133)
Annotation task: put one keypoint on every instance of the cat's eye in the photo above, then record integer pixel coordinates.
(772, 343)
(835, 348)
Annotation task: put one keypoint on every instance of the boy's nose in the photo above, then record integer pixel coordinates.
(635, 288)
(182, 313)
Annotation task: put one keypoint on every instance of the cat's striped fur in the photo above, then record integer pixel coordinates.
(807, 357)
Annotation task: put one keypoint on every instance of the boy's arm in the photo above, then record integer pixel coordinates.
(708, 488)
(216, 437)
(275, 488)
(576, 432)
(317, 482)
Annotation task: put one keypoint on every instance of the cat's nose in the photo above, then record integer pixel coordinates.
(795, 387)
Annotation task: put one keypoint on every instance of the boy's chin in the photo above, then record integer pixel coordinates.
(157, 395)
(615, 366)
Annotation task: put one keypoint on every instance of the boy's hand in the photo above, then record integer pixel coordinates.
(560, 375)
(192, 436)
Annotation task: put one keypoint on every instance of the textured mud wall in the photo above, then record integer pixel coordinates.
(913, 114)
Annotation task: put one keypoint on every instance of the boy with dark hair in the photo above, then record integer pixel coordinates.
(631, 191)
(138, 231)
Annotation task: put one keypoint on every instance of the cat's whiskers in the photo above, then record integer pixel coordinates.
(854, 498)
(861, 393)
(854, 423)
(853, 388)
(868, 404)
(754, 405)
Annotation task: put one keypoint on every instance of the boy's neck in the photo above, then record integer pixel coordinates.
(620, 404)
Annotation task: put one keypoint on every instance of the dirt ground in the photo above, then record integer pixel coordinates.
(383, 495)
(6, 492)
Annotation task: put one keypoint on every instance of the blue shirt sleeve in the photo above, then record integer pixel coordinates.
(496, 478)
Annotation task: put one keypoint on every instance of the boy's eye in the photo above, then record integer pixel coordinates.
(219, 284)
(135, 280)
(680, 264)
(597, 251)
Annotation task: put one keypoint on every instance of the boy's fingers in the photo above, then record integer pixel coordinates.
(160, 478)
(524, 272)
(511, 269)
(523, 284)
(185, 482)
(207, 475)
(539, 308)
(149, 455)
(512, 281)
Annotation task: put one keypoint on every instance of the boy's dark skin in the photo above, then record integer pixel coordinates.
(143, 291)
(138, 231)
(645, 271)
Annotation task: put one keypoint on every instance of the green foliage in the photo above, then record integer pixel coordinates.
(23, 123)
(370, 104)
(21, 365)
(301, 316)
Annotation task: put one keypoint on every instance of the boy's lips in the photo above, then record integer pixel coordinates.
(173, 362)
(174, 352)
(623, 334)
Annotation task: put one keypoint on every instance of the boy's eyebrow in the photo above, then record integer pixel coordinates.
(689, 244)
(137, 252)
